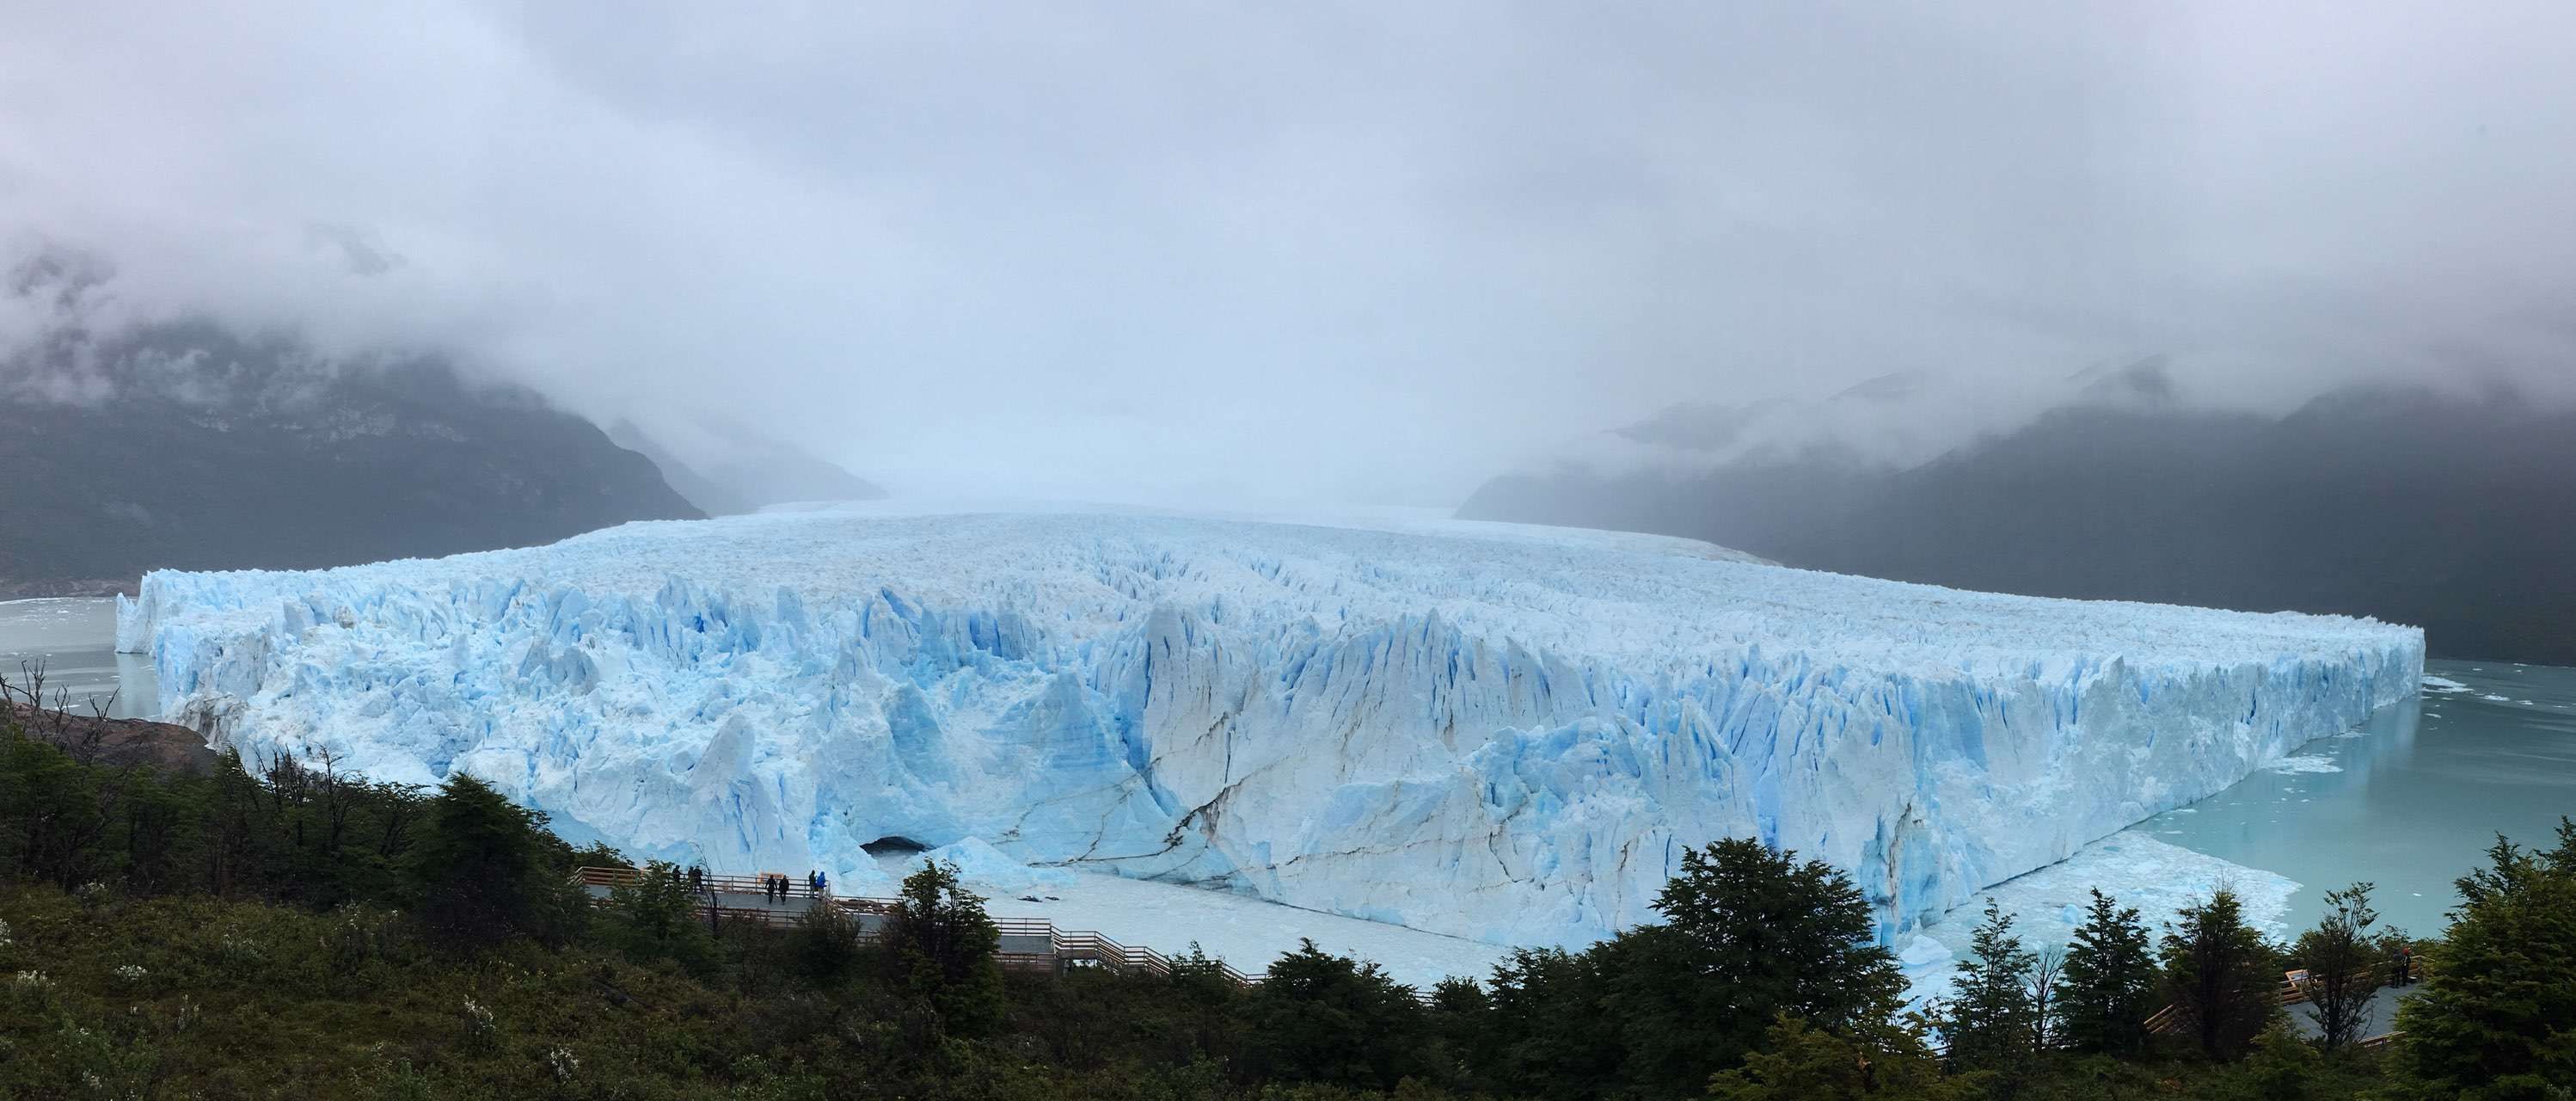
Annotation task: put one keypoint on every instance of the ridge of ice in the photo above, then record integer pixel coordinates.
(1495, 731)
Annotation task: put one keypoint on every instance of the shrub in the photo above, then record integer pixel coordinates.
(940, 947)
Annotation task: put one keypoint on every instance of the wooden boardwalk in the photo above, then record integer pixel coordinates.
(1035, 944)
(1026, 943)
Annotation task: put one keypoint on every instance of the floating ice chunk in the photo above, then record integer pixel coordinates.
(2305, 762)
(2443, 685)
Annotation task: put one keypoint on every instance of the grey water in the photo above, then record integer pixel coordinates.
(73, 640)
(2409, 803)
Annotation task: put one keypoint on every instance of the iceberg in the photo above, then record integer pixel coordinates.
(1500, 732)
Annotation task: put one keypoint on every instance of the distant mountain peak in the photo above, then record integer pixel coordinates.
(726, 467)
(188, 444)
(2145, 382)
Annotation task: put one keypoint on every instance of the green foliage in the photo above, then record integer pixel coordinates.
(2496, 1018)
(2282, 1067)
(2342, 956)
(1319, 1017)
(1798, 1062)
(939, 949)
(2221, 976)
(56, 820)
(1548, 1031)
(476, 873)
(1748, 934)
(1779, 936)
(656, 918)
(2107, 988)
(825, 944)
(1991, 1021)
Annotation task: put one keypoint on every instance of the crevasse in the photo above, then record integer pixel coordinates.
(1502, 733)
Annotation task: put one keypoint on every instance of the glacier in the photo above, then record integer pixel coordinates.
(1499, 732)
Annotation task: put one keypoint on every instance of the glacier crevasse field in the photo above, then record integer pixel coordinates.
(1495, 732)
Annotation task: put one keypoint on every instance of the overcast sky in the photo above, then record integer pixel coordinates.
(1365, 251)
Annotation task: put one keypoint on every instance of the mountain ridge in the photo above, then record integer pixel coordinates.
(2454, 514)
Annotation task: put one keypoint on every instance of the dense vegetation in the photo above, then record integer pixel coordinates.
(293, 930)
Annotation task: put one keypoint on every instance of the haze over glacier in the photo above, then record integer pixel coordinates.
(1508, 733)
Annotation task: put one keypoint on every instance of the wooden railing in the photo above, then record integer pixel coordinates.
(2169, 1020)
(1066, 947)
(1085, 948)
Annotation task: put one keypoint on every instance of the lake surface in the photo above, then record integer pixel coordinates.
(74, 640)
(2409, 803)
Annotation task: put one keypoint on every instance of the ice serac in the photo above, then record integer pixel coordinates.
(1503, 733)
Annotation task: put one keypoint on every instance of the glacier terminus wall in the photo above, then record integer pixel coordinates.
(1497, 732)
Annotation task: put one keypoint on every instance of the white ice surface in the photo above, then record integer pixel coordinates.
(2133, 868)
(1242, 930)
(1494, 731)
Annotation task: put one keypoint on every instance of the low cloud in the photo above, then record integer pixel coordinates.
(1338, 250)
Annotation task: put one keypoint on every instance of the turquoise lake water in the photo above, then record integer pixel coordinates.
(2408, 804)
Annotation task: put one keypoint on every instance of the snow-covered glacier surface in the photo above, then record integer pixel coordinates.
(1502, 733)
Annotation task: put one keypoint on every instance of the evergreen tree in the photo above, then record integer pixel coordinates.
(1550, 1033)
(940, 945)
(1798, 1062)
(1318, 1017)
(2107, 989)
(474, 870)
(2221, 976)
(1764, 935)
(1990, 1021)
(2342, 956)
(2496, 1018)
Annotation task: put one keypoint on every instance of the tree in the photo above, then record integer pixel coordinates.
(656, 917)
(1318, 1017)
(1798, 1062)
(825, 943)
(2107, 989)
(1769, 935)
(2341, 956)
(2496, 1018)
(1990, 1021)
(2221, 976)
(473, 870)
(2047, 1018)
(940, 945)
(1548, 1031)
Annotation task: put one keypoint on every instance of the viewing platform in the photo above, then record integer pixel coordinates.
(1028, 944)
